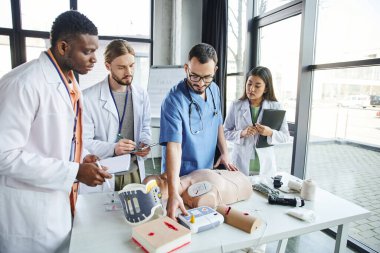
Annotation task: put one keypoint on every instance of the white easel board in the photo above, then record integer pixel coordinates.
(161, 80)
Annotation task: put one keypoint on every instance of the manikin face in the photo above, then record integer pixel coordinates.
(255, 88)
(199, 76)
(79, 53)
(122, 69)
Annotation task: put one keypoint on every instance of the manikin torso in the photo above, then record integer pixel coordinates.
(227, 187)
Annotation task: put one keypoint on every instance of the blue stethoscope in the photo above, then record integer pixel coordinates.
(198, 109)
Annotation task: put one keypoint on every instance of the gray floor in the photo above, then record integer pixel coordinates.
(349, 171)
(316, 242)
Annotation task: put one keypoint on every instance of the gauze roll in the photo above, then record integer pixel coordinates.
(295, 185)
(308, 189)
(302, 214)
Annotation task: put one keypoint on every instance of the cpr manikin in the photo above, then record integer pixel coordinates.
(205, 187)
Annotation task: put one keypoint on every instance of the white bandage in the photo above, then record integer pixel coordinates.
(302, 214)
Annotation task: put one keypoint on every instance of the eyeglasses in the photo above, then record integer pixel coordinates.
(196, 78)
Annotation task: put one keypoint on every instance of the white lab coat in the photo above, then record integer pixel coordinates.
(36, 176)
(101, 121)
(238, 118)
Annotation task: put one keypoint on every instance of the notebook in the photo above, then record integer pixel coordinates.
(161, 235)
(272, 118)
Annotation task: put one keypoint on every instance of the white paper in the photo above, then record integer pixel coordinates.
(117, 164)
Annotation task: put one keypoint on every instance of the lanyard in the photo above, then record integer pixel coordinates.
(73, 140)
(119, 135)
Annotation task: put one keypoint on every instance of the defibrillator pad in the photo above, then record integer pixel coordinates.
(199, 189)
(141, 202)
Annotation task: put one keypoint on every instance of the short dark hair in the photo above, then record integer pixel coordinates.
(265, 75)
(70, 24)
(203, 52)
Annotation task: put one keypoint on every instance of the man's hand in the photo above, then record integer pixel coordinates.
(175, 201)
(223, 159)
(91, 175)
(90, 159)
(264, 130)
(124, 146)
(143, 152)
(248, 131)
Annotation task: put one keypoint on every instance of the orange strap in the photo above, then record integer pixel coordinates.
(74, 97)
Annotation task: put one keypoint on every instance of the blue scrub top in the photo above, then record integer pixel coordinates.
(198, 150)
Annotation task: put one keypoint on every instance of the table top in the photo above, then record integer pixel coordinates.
(96, 230)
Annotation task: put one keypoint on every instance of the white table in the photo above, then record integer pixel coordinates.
(96, 230)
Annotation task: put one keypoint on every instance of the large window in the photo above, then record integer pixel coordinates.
(5, 52)
(115, 19)
(342, 107)
(324, 56)
(280, 54)
(127, 18)
(344, 124)
(39, 14)
(263, 6)
(237, 37)
(6, 14)
(34, 47)
(347, 30)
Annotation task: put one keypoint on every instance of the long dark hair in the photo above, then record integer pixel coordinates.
(265, 75)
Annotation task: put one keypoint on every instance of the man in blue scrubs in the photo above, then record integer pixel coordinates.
(191, 124)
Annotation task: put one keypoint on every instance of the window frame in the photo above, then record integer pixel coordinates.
(18, 35)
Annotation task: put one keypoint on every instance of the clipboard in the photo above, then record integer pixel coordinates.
(272, 118)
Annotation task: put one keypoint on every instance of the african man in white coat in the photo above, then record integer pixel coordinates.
(41, 141)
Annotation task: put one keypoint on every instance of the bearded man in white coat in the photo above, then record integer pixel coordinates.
(117, 115)
(41, 141)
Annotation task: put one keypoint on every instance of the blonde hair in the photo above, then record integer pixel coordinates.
(117, 48)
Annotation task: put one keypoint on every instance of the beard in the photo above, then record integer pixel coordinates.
(195, 90)
(122, 82)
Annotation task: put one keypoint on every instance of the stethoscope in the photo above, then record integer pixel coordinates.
(198, 109)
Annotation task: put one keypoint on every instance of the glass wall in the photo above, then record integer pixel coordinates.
(33, 11)
(126, 18)
(342, 151)
(6, 14)
(236, 61)
(34, 47)
(342, 108)
(279, 51)
(347, 30)
(344, 140)
(5, 52)
(263, 6)
(36, 18)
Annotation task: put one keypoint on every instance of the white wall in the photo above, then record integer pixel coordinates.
(178, 27)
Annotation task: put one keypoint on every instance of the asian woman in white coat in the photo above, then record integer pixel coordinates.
(242, 125)
(117, 115)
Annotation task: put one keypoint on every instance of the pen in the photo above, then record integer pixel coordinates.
(108, 183)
